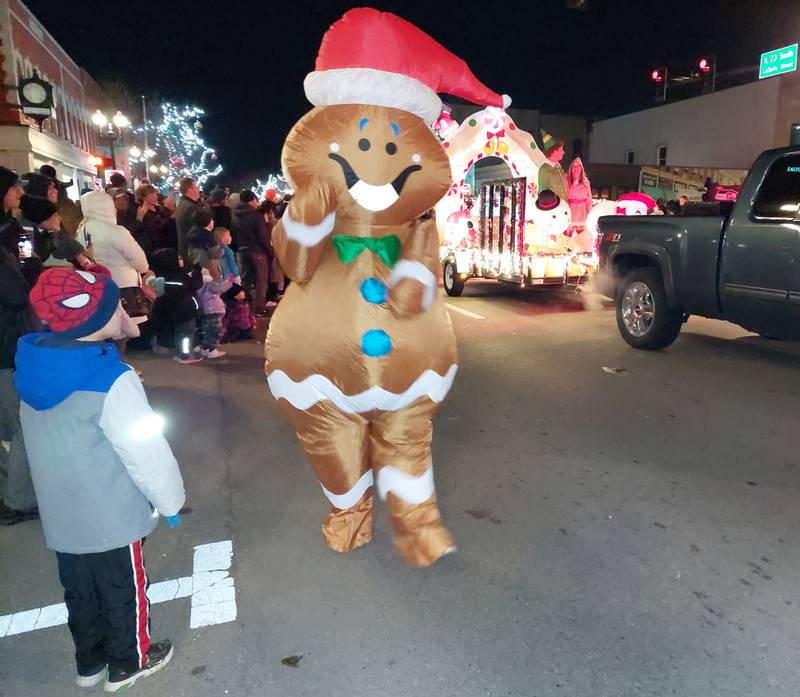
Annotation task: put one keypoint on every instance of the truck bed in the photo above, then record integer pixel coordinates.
(689, 242)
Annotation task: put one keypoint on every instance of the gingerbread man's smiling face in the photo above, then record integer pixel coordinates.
(384, 165)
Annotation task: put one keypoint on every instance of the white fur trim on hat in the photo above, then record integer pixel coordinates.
(370, 86)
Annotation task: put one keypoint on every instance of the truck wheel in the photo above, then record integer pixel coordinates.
(643, 317)
(453, 285)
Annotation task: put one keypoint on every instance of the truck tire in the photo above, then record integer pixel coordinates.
(453, 284)
(644, 319)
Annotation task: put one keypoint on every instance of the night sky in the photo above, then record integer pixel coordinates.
(244, 62)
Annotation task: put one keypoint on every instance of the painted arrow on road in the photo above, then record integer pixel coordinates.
(210, 586)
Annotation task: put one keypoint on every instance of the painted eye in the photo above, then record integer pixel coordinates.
(334, 147)
(416, 157)
(76, 301)
(391, 148)
(364, 144)
(90, 277)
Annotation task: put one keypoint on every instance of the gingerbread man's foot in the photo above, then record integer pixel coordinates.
(420, 538)
(347, 529)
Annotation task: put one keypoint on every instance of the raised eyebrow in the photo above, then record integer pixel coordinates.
(395, 128)
(362, 123)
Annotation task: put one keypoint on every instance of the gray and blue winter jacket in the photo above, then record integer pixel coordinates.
(101, 467)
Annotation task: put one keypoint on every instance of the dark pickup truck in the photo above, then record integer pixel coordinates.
(734, 261)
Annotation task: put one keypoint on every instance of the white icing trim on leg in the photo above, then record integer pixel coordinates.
(411, 489)
(350, 498)
(419, 272)
(317, 388)
(307, 235)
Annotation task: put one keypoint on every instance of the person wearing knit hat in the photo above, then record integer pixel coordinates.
(40, 186)
(40, 190)
(361, 351)
(74, 304)
(17, 498)
(220, 209)
(40, 212)
(98, 503)
(63, 249)
(551, 174)
(8, 180)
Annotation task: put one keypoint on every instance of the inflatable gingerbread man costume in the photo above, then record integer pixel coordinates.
(361, 351)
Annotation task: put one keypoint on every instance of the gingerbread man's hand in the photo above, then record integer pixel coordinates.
(407, 298)
(312, 204)
(413, 288)
(298, 238)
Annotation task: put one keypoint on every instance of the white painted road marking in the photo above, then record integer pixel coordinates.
(211, 588)
(455, 308)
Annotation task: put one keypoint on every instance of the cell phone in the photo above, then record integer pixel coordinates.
(25, 246)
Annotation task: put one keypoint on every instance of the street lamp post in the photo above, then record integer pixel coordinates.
(111, 130)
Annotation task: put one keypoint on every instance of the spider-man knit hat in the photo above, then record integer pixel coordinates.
(74, 303)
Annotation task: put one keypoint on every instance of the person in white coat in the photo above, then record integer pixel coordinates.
(112, 246)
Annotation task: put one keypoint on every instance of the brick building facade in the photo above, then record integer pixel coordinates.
(68, 139)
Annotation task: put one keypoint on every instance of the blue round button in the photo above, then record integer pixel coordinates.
(373, 290)
(376, 343)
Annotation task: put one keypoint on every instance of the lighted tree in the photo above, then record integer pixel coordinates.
(276, 182)
(179, 143)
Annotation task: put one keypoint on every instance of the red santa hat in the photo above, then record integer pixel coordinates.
(372, 57)
(636, 197)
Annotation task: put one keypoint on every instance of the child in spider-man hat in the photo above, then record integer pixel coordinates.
(102, 471)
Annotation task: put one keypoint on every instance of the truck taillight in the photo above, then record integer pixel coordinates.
(611, 237)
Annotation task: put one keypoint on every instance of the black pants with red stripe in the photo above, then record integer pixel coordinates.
(109, 613)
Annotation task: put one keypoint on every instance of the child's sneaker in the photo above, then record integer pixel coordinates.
(158, 655)
(214, 353)
(191, 358)
(94, 678)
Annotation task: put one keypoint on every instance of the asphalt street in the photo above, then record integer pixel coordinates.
(621, 532)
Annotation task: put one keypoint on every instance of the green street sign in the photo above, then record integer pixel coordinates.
(778, 62)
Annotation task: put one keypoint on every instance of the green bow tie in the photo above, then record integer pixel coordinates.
(386, 248)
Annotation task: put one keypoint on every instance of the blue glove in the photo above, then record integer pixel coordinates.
(173, 520)
(158, 283)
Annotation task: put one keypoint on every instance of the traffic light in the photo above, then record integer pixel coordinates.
(659, 75)
(100, 162)
(707, 68)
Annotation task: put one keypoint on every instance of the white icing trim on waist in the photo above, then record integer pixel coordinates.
(307, 235)
(411, 489)
(419, 272)
(317, 388)
(350, 498)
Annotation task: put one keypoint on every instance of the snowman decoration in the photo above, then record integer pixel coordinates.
(634, 203)
(551, 215)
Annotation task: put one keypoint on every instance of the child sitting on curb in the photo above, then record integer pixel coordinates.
(97, 503)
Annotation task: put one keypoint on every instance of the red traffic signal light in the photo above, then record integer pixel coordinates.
(658, 75)
(705, 65)
(100, 161)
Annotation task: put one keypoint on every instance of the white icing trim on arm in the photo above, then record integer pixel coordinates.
(419, 272)
(307, 235)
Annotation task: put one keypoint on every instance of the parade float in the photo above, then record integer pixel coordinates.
(493, 222)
